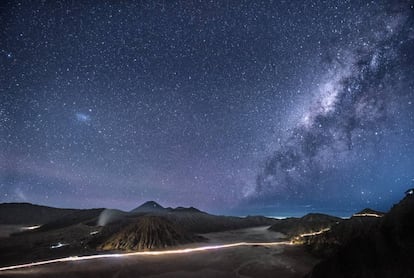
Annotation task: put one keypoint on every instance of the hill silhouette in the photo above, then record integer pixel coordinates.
(26, 213)
(382, 247)
(312, 222)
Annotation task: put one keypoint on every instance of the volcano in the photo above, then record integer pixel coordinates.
(149, 232)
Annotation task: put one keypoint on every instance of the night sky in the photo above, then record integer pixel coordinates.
(235, 107)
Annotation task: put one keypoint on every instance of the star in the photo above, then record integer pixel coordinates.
(229, 108)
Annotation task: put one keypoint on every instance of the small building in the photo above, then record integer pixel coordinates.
(409, 191)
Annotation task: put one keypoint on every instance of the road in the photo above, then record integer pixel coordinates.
(228, 254)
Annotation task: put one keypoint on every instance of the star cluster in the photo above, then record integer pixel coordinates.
(232, 107)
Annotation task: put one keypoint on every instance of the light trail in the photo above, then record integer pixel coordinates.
(367, 214)
(30, 228)
(315, 233)
(58, 245)
(145, 253)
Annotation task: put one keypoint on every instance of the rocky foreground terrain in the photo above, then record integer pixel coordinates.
(368, 244)
(45, 233)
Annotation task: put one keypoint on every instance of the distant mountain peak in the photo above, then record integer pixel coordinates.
(148, 207)
(190, 209)
(368, 212)
(151, 204)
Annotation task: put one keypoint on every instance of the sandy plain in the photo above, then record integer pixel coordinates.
(289, 261)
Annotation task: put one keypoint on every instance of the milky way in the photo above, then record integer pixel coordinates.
(264, 107)
(355, 105)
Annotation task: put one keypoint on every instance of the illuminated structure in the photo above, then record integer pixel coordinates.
(409, 192)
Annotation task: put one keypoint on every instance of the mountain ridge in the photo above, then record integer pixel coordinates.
(370, 246)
